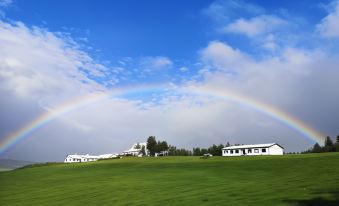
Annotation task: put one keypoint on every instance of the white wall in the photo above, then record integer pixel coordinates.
(71, 159)
(273, 150)
(276, 150)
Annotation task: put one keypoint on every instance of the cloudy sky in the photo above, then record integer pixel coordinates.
(148, 55)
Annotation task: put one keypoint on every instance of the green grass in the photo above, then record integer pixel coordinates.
(311, 179)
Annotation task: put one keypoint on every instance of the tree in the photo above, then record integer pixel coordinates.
(220, 147)
(328, 142)
(196, 151)
(172, 150)
(337, 144)
(143, 151)
(151, 145)
(158, 147)
(164, 146)
(316, 148)
(137, 146)
(329, 146)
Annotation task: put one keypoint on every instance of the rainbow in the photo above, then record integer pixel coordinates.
(86, 100)
(269, 110)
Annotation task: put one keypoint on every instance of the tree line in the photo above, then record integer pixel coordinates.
(162, 148)
(215, 150)
(154, 146)
(329, 146)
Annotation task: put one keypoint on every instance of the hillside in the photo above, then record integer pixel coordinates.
(9, 164)
(310, 179)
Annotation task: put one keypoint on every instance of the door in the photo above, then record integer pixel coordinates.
(243, 152)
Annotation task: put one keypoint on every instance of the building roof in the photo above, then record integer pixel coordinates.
(252, 146)
(133, 149)
(76, 156)
(107, 156)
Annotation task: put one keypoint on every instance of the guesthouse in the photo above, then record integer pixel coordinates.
(252, 150)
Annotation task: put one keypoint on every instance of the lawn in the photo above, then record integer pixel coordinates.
(311, 179)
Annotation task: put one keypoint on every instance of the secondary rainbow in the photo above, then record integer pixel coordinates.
(93, 98)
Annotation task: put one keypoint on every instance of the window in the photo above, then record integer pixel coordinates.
(236, 151)
(263, 150)
(256, 151)
(231, 151)
(249, 151)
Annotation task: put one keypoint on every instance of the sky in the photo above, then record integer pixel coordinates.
(97, 76)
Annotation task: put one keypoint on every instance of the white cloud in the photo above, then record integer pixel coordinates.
(5, 3)
(329, 26)
(36, 63)
(156, 63)
(293, 80)
(222, 11)
(223, 56)
(255, 26)
(183, 69)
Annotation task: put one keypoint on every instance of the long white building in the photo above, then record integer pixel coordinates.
(252, 150)
(87, 158)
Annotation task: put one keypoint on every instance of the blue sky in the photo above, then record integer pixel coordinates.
(282, 53)
(112, 31)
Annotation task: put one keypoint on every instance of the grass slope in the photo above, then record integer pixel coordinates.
(311, 179)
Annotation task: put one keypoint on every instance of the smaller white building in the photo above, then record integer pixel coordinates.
(252, 150)
(87, 158)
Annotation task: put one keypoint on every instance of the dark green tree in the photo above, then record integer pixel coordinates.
(164, 147)
(328, 142)
(204, 151)
(329, 146)
(158, 147)
(337, 144)
(316, 148)
(172, 150)
(196, 151)
(143, 150)
(137, 146)
(151, 145)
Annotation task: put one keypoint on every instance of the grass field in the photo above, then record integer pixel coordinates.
(311, 179)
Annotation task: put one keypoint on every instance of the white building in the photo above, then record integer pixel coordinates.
(252, 150)
(135, 150)
(87, 158)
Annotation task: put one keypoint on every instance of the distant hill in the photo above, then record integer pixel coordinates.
(9, 164)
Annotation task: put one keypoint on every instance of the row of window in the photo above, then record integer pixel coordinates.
(78, 160)
(236, 151)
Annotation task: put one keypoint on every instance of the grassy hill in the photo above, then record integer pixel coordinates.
(311, 179)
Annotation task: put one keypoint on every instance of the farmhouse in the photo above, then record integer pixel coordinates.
(252, 150)
(87, 158)
(135, 150)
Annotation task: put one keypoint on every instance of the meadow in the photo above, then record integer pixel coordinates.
(309, 179)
